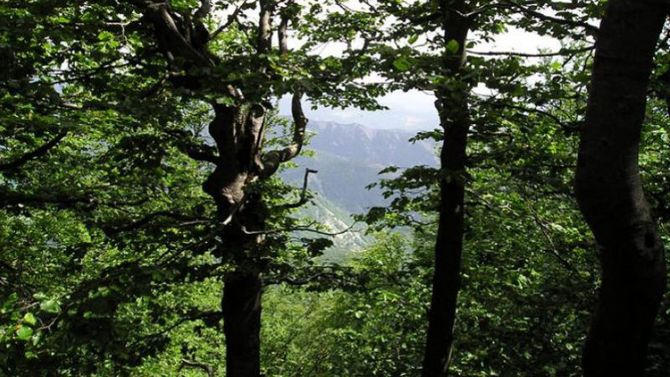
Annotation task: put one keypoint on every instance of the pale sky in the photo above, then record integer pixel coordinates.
(414, 110)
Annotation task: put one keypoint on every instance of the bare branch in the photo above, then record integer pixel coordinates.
(65, 200)
(328, 277)
(296, 282)
(148, 219)
(544, 17)
(303, 194)
(196, 151)
(199, 152)
(553, 249)
(231, 19)
(565, 126)
(168, 35)
(264, 40)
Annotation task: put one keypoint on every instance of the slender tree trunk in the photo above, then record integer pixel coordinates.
(610, 195)
(242, 323)
(452, 106)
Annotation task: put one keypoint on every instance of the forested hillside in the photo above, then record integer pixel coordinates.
(162, 215)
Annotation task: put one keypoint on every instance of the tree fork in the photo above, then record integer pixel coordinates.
(610, 195)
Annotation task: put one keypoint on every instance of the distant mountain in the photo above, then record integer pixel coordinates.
(372, 147)
(348, 158)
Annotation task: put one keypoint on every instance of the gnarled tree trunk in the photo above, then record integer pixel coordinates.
(237, 130)
(238, 134)
(610, 195)
(452, 107)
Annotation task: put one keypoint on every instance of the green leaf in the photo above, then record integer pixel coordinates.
(105, 36)
(50, 306)
(29, 319)
(453, 46)
(402, 64)
(412, 38)
(39, 296)
(24, 333)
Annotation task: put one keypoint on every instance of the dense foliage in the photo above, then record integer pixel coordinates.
(113, 258)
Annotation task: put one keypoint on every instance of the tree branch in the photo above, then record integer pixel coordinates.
(8, 198)
(544, 17)
(204, 10)
(148, 219)
(264, 40)
(39, 152)
(231, 19)
(196, 151)
(198, 365)
(282, 34)
(272, 159)
(561, 52)
(303, 194)
(168, 35)
(307, 228)
(565, 126)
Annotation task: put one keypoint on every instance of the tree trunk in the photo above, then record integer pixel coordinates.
(610, 195)
(452, 106)
(242, 323)
(237, 132)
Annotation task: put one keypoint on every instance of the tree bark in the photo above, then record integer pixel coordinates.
(610, 195)
(452, 107)
(241, 306)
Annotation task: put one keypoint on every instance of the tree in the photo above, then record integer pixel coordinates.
(610, 194)
(163, 65)
(442, 68)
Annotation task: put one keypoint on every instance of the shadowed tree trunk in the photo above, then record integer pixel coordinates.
(452, 107)
(242, 323)
(610, 195)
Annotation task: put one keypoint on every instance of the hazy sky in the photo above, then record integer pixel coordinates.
(414, 110)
